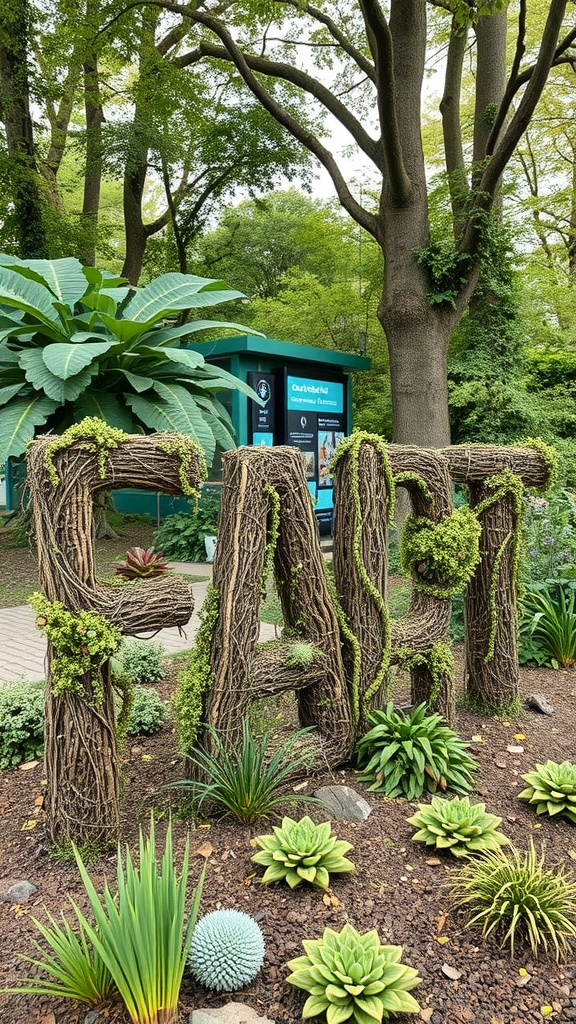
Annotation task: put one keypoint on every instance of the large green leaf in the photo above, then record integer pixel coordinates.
(106, 407)
(66, 361)
(43, 380)
(63, 277)
(173, 292)
(138, 382)
(166, 335)
(124, 330)
(222, 379)
(18, 421)
(21, 293)
(175, 355)
(10, 391)
(220, 425)
(174, 410)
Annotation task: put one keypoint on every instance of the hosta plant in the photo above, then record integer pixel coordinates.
(300, 851)
(513, 895)
(552, 788)
(142, 563)
(353, 977)
(227, 950)
(458, 826)
(406, 753)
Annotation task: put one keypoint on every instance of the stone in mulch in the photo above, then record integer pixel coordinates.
(345, 803)
(20, 892)
(231, 1013)
(538, 702)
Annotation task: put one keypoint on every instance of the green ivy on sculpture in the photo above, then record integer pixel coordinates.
(82, 641)
(441, 557)
(195, 681)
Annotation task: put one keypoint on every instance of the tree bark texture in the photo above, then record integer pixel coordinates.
(306, 604)
(490, 600)
(17, 119)
(81, 766)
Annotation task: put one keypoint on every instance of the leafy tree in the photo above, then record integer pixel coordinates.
(75, 342)
(377, 54)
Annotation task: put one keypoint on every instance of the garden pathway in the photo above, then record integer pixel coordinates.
(23, 647)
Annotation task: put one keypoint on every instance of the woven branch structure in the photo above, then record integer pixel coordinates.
(82, 802)
(267, 519)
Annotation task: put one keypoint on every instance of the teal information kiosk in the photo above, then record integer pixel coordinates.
(306, 396)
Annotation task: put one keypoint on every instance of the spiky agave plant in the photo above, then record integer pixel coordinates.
(458, 826)
(552, 788)
(142, 563)
(353, 977)
(300, 851)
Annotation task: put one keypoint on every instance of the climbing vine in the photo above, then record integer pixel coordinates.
(82, 642)
(496, 488)
(196, 680)
(93, 434)
(354, 643)
(351, 447)
(550, 457)
(409, 477)
(439, 661)
(184, 448)
(272, 529)
(441, 556)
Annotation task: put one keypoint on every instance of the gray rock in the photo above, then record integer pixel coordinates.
(19, 893)
(346, 804)
(537, 702)
(231, 1013)
(93, 1017)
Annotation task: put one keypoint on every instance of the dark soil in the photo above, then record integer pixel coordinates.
(398, 887)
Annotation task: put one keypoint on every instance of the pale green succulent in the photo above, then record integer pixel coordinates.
(300, 851)
(552, 787)
(458, 826)
(353, 977)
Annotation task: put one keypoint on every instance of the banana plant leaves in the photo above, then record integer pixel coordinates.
(76, 341)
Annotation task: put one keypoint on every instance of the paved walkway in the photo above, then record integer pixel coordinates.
(23, 647)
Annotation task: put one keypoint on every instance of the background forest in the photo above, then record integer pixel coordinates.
(130, 143)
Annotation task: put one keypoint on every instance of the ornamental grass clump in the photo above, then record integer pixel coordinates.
(512, 895)
(458, 826)
(138, 943)
(247, 782)
(406, 753)
(353, 977)
(227, 950)
(300, 851)
(552, 788)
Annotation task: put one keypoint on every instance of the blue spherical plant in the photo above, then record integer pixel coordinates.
(227, 950)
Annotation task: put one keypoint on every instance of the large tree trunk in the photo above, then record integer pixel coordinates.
(15, 114)
(94, 153)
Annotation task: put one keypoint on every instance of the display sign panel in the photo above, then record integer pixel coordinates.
(315, 423)
(263, 417)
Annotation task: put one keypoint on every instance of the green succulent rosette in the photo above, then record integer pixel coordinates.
(300, 851)
(353, 977)
(552, 788)
(458, 826)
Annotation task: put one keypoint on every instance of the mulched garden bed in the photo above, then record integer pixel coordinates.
(398, 886)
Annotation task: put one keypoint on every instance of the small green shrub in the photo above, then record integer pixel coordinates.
(301, 654)
(142, 660)
(148, 713)
(552, 788)
(246, 782)
(406, 753)
(181, 536)
(512, 895)
(548, 623)
(353, 977)
(21, 722)
(227, 950)
(300, 851)
(458, 826)
(136, 943)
